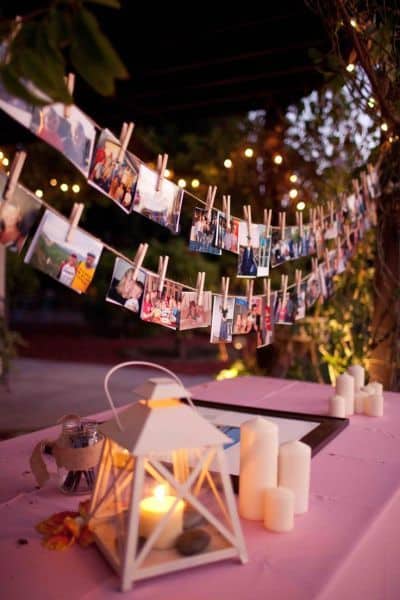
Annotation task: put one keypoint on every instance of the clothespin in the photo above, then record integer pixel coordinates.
(74, 218)
(299, 222)
(226, 207)
(249, 291)
(162, 160)
(70, 83)
(331, 211)
(247, 216)
(15, 171)
(139, 258)
(162, 271)
(282, 224)
(327, 264)
(267, 290)
(347, 234)
(267, 221)
(314, 264)
(314, 219)
(284, 284)
(298, 275)
(124, 138)
(356, 186)
(201, 277)
(224, 291)
(211, 193)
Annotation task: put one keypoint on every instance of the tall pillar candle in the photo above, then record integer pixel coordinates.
(337, 406)
(278, 509)
(294, 468)
(373, 406)
(345, 388)
(259, 444)
(358, 372)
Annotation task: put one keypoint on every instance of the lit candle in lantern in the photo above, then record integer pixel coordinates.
(153, 509)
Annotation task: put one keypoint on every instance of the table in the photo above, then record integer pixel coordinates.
(346, 547)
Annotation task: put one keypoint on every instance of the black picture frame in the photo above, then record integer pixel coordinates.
(328, 427)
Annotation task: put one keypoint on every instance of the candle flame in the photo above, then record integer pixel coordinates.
(160, 492)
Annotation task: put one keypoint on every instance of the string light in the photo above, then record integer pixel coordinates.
(195, 183)
(228, 164)
(1, 155)
(182, 183)
(353, 23)
(249, 153)
(5, 161)
(350, 67)
(293, 193)
(167, 173)
(293, 178)
(64, 187)
(301, 205)
(39, 193)
(384, 127)
(371, 102)
(278, 159)
(76, 189)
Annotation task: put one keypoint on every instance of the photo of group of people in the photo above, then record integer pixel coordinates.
(293, 245)
(228, 237)
(254, 252)
(17, 216)
(250, 319)
(126, 289)
(162, 206)
(204, 232)
(113, 175)
(222, 320)
(313, 290)
(284, 308)
(162, 307)
(193, 314)
(73, 263)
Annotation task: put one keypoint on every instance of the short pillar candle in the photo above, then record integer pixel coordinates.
(153, 509)
(359, 401)
(345, 388)
(358, 372)
(294, 466)
(259, 443)
(373, 405)
(337, 406)
(278, 509)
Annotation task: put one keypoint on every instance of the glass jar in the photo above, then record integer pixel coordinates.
(77, 453)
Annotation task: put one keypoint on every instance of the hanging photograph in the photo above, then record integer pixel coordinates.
(241, 310)
(72, 262)
(161, 307)
(17, 216)
(15, 107)
(299, 300)
(73, 136)
(113, 175)
(204, 232)
(284, 308)
(193, 314)
(313, 290)
(285, 249)
(126, 290)
(327, 271)
(163, 206)
(228, 237)
(255, 318)
(254, 253)
(267, 322)
(222, 320)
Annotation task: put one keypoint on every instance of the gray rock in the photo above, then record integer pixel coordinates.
(191, 518)
(192, 541)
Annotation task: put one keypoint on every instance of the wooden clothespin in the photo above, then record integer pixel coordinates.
(211, 193)
(282, 224)
(284, 285)
(201, 277)
(331, 212)
(267, 221)
(313, 214)
(347, 234)
(70, 83)
(267, 290)
(356, 186)
(314, 264)
(124, 138)
(162, 160)
(298, 276)
(327, 263)
(226, 207)
(162, 271)
(15, 171)
(364, 183)
(299, 222)
(74, 218)
(247, 216)
(249, 291)
(139, 258)
(224, 291)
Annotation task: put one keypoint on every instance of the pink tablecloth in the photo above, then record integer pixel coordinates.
(346, 547)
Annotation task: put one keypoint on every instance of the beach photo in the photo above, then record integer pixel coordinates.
(126, 290)
(161, 307)
(222, 320)
(194, 315)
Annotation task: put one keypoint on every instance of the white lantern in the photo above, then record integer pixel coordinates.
(163, 498)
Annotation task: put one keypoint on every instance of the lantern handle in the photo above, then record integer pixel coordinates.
(136, 363)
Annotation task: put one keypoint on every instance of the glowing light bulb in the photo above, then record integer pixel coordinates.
(350, 67)
(249, 152)
(182, 183)
(1, 155)
(293, 193)
(278, 159)
(5, 161)
(167, 173)
(39, 193)
(384, 127)
(76, 189)
(301, 205)
(228, 163)
(195, 183)
(53, 182)
(293, 178)
(64, 187)
(371, 102)
(353, 23)
(160, 492)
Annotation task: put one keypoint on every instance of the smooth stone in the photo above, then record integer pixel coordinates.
(192, 541)
(191, 518)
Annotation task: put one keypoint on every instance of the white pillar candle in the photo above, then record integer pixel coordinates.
(373, 405)
(153, 509)
(294, 467)
(359, 401)
(278, 509)
(337, 406)
(376, 387)
(358, 372)
(345, 388)
(259, 443)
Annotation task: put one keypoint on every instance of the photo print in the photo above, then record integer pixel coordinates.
(299, 300)
(241, 309)
(204, 232)
(163, 206)
(73, 136)
(267, 323)
(284, 308)
(340, 260)
(194, 315)
(228, 237)
(313, 290)
(222, 320)
(162, 308)
(115, 178)
(327, 271)
(288, 248)
(17, 216)
(16, 108)
(254, 254)
(125, 290)
(71, 263)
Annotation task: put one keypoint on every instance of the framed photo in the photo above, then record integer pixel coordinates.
(315, 430)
